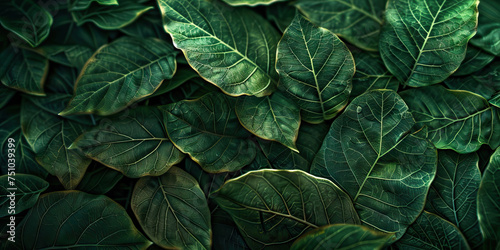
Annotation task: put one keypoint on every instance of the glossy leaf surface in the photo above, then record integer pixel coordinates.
(371, 74)
(485, 82)
(84, 4)
(488, 202)
(488, 30)
(475, 60)
(26, 189)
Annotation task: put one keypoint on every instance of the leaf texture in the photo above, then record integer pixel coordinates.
(488, 29)
(27, 189)
(371, 74)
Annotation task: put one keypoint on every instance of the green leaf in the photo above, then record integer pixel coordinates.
(368, 154)
(475, 60)
(458, 120)
(182, 75)
(225, 232)
(251, 2)
(316, 69)
(84, 4)
(485, 82)
(208, 130)
(121, 73)
(173, 201)
(74, 219)
(424, 42)
(283, 205)
(371, 74)
(27, 188)
(6, 95)
(208, 182)
(233, 48)
(189, 90)
(488, 202)
(343, 236)
(149, 24)
(23, 70)
(432, 232)
(281, 14)
(26, 19)
(99, 179)
(50, 136)
(453, 194)
(275, 118)
(357, 21)
(111, 17)
(488, 29)
(133, 142)
(68, 55)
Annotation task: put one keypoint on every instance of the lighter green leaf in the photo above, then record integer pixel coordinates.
(74, 219)
(475, 60)
(173, 211)
(26, 19)
(371, 74)
(251, 2)
(84, 4)
(111, 17)
(134, 143)
(233, 48)
(272, 208)
(424, 42)
(488, 202)
(23, 70)
(357, 21)
(316, 69)
(485, 82)
(432, 232)
(209, 131)
(343, 236)
(453, 194)
(26, 189)
(386, 172)
(275, 118)
(488, 29)
(121, 73)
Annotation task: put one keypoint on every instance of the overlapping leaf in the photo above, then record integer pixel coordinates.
(488, 202)
(84, 4)
(251, 2)
(233, 48)
(475, 60)
(371, 74)
(25, 189)
(485, 82)
(281, 14)
(316, 69)
(99, 179)
(488, 29)
(424, 42)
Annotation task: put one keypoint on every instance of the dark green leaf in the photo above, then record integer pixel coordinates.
(283, 205)
(233, 48)
(371, 74)
(424, 42)
(182, 75)
(475, 59)
(68, 55)
(316, 69)
(386, 173)
(488, 202)
(488, 29)
(173, 211)
(281, 14)
(208, 182)
(84, 4)
(26, 190)
(121, 73)
(99, 179)
(5, 95)
(208, 130)
(485, 82)
(251, 2)
(147, 25)
(225, 232)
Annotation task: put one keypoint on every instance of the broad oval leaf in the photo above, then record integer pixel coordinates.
(68, 55)
(275, 118)
(488, 29)
(173, 211)
(485, 82)
(458, 120)
(343, 236)
(121, 73)
(453, 194)
(25, 189)
(316, 69)
(133, 142)
(475, 60)
(283, 205)
(424, 42)
(233, 48)
(209, 131)
(84, 4)
(23, 70)
(74, 219)
(26, 19)
(99, 179)
(432, 232)
(386, 173)
(371, 74)
(357, 21)
(488, 202)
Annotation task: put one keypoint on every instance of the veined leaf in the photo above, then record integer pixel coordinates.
(316, 69)
(26, 190)
(424, 42)
(121, 73)
(74, 219)
(26, 19)
(208, 130)
(84, 4)
(485, 82)
(281, 14)
(453, 194)
(458, 120)
(68, 55)
(251, 2)
(111, 17)
(343, 236)
(173, 211)
(275, 118)
(371, 74)
(475, 60)
(134, 143)
(386, 173)
(23, 70)
(284, 205)
(432, 232)
(233, 48)
(99, 179)
(488, 202)
(182, 75)
(357, 21)
(488, 29)
(208, 182)
(149, 24)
